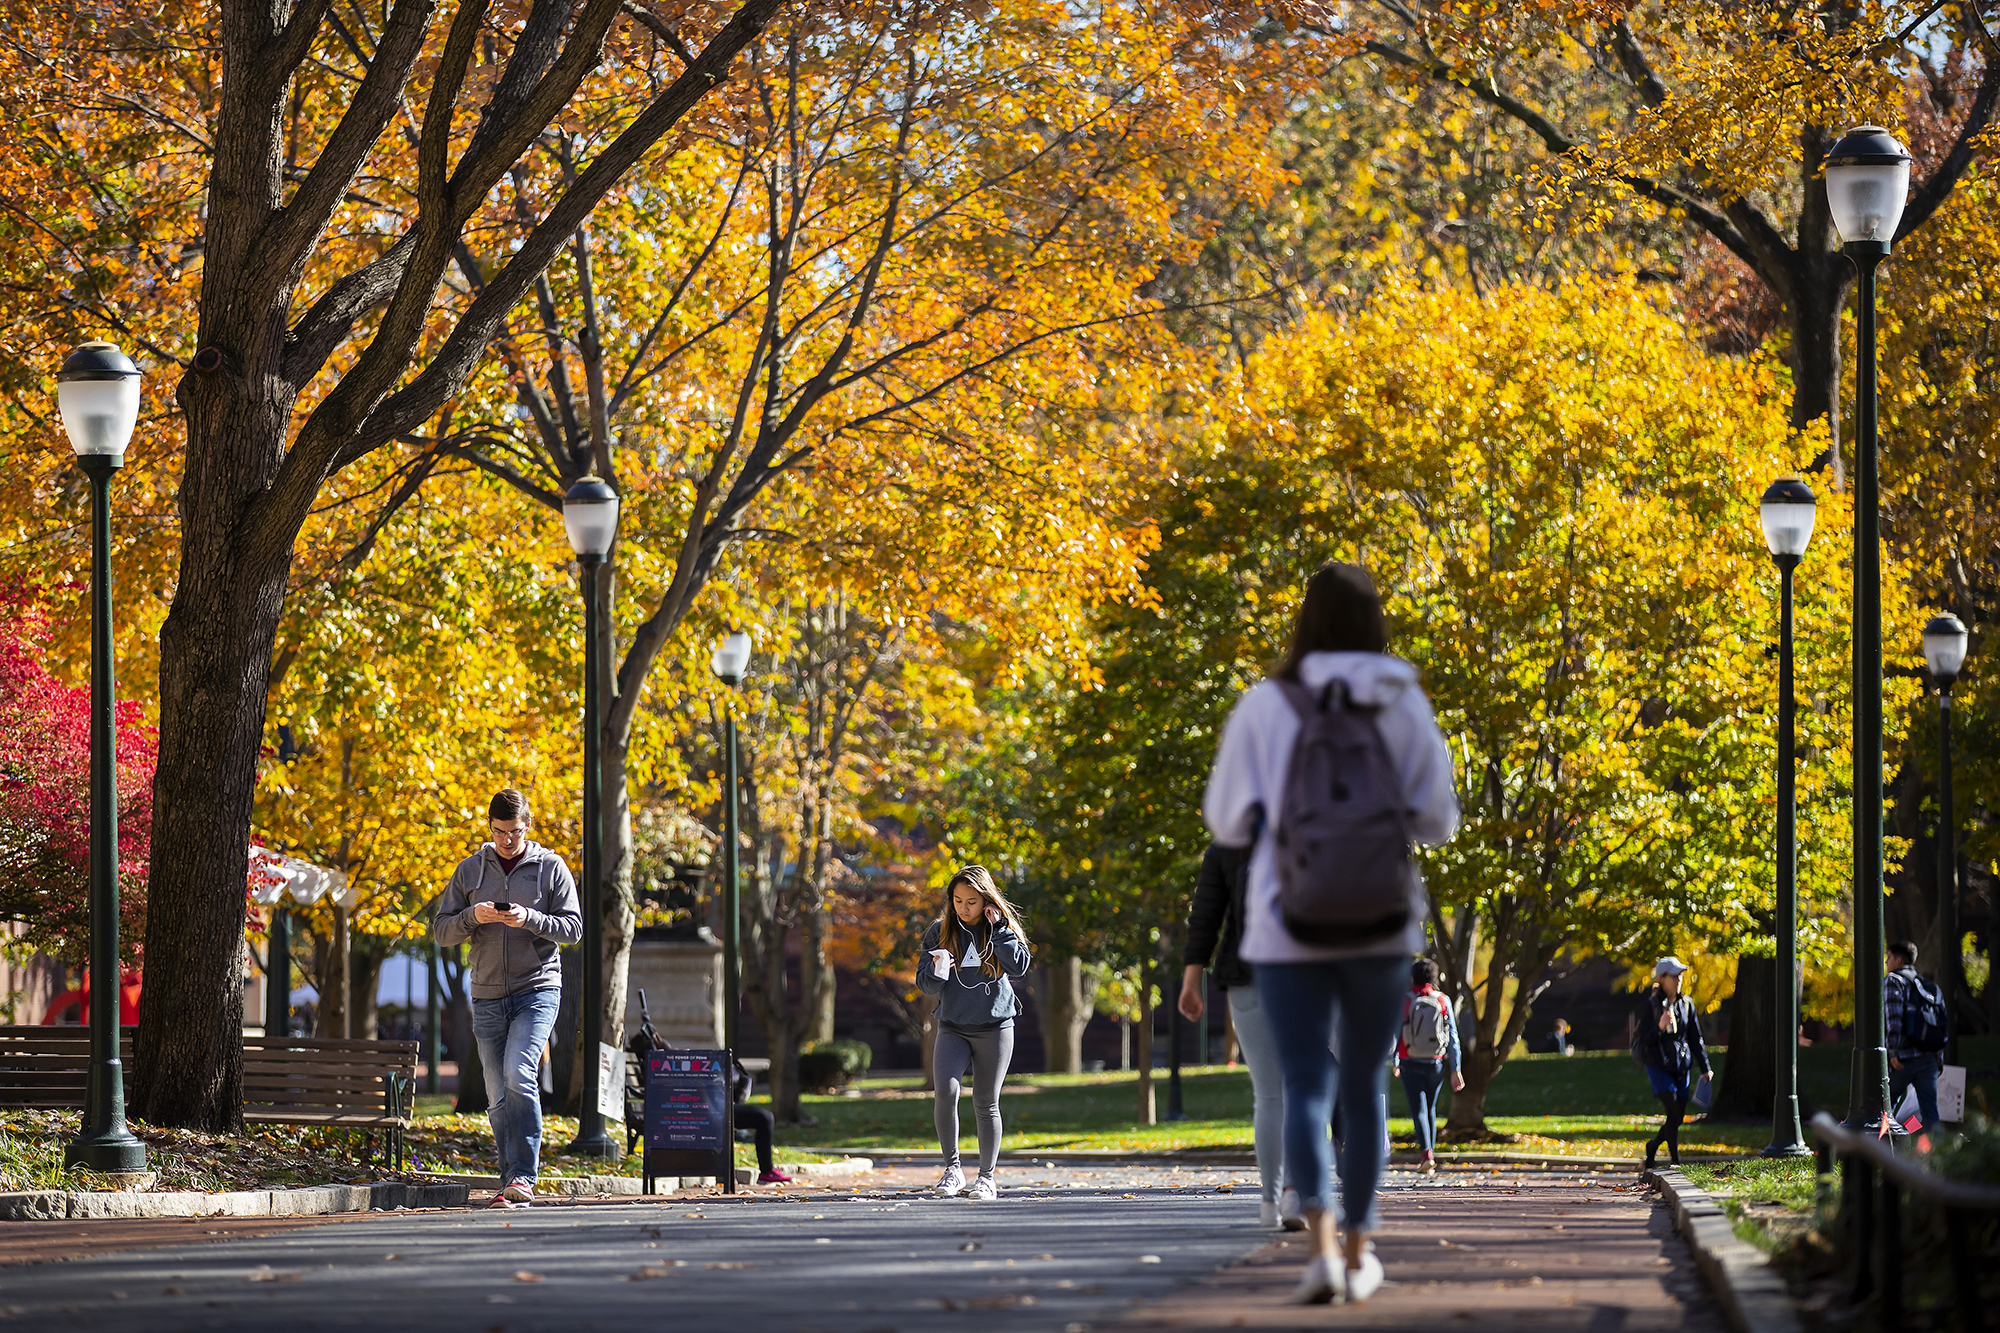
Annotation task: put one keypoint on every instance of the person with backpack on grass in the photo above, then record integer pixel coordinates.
(970, 958)
(1327, 772)
(1214, 933)
(1666, 1040)
(1426, 1054)
(1914, 1022)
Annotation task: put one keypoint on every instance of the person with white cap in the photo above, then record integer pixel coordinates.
(1668, 1043)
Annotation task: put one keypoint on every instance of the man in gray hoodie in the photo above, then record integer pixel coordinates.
(515, 902)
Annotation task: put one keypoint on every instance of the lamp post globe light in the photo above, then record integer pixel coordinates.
(1786, 514)
(1944, 653)
(731, 660)
(1867, 183)
(590, 516)
(97, 392)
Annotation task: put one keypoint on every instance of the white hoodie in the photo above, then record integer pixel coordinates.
(1249, 774)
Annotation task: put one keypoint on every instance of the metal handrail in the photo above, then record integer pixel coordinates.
(1867, 1160)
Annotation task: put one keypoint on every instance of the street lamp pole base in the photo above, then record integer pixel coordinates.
(1868, 1100)
(599, 1145)
(109, 1151)
(1786, 1140)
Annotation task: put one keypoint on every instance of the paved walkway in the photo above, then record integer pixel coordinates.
(1067, 1249)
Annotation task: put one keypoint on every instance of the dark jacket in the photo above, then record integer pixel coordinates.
(1215, 917)
(971, 999)
(507, 960)
(1675, 1052)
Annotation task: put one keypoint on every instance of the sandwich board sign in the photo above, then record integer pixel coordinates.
(690, 1116)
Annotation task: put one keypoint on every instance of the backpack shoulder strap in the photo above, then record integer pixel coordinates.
(1303, 701)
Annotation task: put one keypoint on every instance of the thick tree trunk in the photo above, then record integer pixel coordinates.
(1749, 1081)
(1820, 295)
(1064, 1000)
(1148, 1108)
(364, 979)
(215, 656)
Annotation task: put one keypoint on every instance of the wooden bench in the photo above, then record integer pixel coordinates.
(340, 1083)
(47, 1067)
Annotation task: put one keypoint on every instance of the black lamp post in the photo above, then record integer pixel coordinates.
(590, 515)
(1787, 513)
(97, 390)
(1944, 653)
(1867, 182)
(731, 660)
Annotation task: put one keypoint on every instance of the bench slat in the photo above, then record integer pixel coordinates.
(326, 1044)
(279, 1059)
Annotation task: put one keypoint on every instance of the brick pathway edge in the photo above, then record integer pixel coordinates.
(1751, 1293)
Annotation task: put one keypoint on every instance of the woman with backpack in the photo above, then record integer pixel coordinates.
(1327, 772)
(1214, 932)
(1426, 1053)
(969, 959)
(1667, 1041)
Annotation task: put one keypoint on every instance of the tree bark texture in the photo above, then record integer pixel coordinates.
(1749, 1080)
(1064, 1000)
(1148, 1104)
(249, 479)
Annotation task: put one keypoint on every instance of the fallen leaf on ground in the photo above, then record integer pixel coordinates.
(523, 1275)
(730, 1264)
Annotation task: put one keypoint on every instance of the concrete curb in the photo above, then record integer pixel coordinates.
(312, 1201)
(587, 1186)
(1090, 1157)
(1750, 1291)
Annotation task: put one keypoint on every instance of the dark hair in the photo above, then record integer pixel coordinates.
(509, 803)
(1904, 950)
(1341, 613)
(1423, 972)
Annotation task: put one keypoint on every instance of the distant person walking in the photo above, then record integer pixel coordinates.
(1214, 935)
(515, 902)
(1914, 1021)
(1426, 1055)
(970, 956)
(1326, 772)
(1668, 1042)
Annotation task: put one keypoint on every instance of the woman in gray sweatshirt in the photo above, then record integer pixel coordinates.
(971, 953)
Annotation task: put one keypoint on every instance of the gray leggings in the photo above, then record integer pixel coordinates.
(988, 1053)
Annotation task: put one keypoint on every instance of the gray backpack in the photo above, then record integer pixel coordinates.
(1343, 844)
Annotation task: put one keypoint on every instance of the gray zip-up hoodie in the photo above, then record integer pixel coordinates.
(968, 998)
(507, 960)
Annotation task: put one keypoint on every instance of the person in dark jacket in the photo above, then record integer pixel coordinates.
(1214, 929)
(760, 1122)
(1669, 1042)
(970, 957)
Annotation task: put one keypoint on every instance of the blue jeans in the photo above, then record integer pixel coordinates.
(1305, 1002)
(1267, 1086)
(511, 1032)
(1422, 1080)
(1920, 1072)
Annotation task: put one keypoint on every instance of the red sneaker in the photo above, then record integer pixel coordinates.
(774, 1176)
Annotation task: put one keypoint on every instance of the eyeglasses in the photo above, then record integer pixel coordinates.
(507, 834)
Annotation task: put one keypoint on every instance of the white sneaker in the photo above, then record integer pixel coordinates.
(951, 1182)
(520, 1191)
(1267, 1213)
(1362, 1282)
(983, 1189)
(1290, 1214)
(1321, 1284)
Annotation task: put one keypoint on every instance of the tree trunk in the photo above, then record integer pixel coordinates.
(1064, 1000)
(927, 1043)
(364, 979)
(215, 657)
(1148, 1111)
(1749, 1081)
(1820, 295)
(336, 1002)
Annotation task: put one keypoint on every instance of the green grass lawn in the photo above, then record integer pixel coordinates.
(1605, 1109)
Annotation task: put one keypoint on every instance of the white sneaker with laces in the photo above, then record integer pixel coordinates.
(951, 1182)
(1321, 1284)
(1362, 1282)
(1267, 1213)
(983, 1189)
(1290, 1213)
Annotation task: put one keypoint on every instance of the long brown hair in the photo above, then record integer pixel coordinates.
(954, 934)
(1341, 613)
